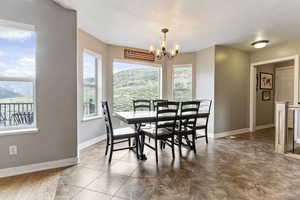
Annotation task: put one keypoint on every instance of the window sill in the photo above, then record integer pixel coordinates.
(19, 131)
(91, 118)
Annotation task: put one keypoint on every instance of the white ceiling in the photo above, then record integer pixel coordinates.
(194, 24)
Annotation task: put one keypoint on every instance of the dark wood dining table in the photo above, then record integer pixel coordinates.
(139, 117)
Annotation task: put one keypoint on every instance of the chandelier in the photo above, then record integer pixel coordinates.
(162, 52)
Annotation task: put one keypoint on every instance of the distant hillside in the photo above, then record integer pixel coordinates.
(5, 93)
(134, 84)
(144, 84)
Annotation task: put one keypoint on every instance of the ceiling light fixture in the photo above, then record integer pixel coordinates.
(260, 44)
(162, 52)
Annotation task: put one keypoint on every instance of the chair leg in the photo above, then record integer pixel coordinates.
(156, 153)
(137, 147)
(129, 142)
(173, 148)
(160, 144)
(107, 144)
(206, 135)
(194, 143)
(179, 144)
(111, 150)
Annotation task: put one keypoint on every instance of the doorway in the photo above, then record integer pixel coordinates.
(254, 87)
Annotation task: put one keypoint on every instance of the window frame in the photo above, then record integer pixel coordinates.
(160, 66)
(173, 79)
(97, 85)
(34, 127)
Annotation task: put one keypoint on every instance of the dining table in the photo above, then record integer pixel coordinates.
(141, 117)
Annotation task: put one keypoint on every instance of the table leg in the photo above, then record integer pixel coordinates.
(140, 143)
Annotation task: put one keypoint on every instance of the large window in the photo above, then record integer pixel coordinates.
(17, 76)
(134, 81)
(182, 82)
(91, 84)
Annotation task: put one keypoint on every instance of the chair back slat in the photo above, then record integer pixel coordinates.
(189, 114)
(107, 118)
(156, 101)
(205, 107)
(166, 115)
(141, 105)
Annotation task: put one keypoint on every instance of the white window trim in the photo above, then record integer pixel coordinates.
(98, 86)
(22, 129)
(139, 63)
(172, 77)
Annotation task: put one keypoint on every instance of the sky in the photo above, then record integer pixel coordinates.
(17, 52)
(89, 69)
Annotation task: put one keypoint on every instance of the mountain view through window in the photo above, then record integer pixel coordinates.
(134, 81)
(182, 83)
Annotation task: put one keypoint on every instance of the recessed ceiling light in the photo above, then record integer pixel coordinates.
(260, 44)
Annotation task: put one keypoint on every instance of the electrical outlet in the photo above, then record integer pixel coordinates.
(13, 150)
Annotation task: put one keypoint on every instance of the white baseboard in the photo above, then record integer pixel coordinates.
(233, 132)
(264, 126)
(91, 142)
(13, 171)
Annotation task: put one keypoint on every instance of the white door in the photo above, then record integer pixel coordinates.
(284, 88)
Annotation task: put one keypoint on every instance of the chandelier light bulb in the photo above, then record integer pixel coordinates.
(173, 52)
(157, 52)
(151, 49)
(163, 44)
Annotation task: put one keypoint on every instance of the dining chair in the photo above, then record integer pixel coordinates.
(141, 105)
(116, 136)
(202, 123)
(187, 124)
(155, 101)
(165, 123)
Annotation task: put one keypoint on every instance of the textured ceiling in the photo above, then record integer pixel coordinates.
(194, 24)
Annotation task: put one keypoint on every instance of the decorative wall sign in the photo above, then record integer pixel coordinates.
(138, 55)
(266, 81)
(266, 95)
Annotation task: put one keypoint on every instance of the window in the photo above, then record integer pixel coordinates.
(17, 76)
(134, 81)
(182, 83)
(91, 80)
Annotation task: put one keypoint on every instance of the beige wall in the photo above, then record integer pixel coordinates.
(94, 128)
(232, 77)
(265, 109)
(205, 80)
(55, 84)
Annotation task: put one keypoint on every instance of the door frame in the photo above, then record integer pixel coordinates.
(252, 118)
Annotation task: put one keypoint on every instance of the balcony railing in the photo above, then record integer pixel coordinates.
(89, 108)
(13, 114)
